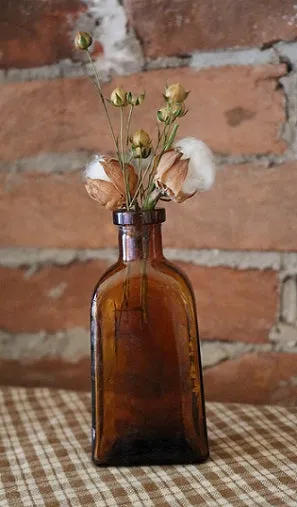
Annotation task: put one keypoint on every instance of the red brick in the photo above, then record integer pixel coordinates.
(53, 298)
(234, 305)
(46, 373)
(249, 207)
(235, 110)
(52, 210)
(35, 33)
(178, 28)
(263, 378)
(230, 302)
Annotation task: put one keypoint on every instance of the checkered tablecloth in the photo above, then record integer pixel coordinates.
(45, 458)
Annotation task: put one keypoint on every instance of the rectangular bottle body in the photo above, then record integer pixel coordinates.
(147, 390)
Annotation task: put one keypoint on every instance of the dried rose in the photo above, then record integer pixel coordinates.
(176, 93)
(105, 181)
(83, 40)
(118, 97)
(186, 169)
(141, 144)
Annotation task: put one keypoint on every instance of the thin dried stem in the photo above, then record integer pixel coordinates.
(128, 124)
(144, 173)
(99, 88)
(122, 160)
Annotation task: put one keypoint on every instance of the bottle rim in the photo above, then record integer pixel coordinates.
(153, 216)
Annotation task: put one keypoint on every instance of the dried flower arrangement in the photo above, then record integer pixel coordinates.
(147, 392)
(142, 172)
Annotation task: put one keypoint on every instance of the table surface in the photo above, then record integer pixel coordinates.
(45, 458)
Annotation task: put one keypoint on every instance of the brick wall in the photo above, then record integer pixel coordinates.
(238, 242)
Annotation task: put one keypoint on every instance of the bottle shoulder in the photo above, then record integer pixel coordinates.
(176, 272)
(161, 275)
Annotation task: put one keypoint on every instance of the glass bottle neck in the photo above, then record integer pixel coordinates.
(141, 241)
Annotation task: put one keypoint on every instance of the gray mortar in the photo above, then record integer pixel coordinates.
(283, 335)
(122, 50)
(52, 163)
(288, 264)
(233, 259)
(17, 257)
(65, 68)
(48, 163)
(170, 62)
(214, 352)
(73, 345)
(221, 58)
(264, 160)
(123, 54)
(289, 84)
(289, 301)
(287, 51)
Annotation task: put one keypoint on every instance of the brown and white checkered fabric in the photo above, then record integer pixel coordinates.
(45, 458)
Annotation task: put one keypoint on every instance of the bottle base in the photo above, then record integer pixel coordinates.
(140, 452)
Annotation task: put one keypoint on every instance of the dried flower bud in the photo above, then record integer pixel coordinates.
(135, 100)
(141, 144)
(118, 97)
(105, 181)
(185, 170)
(175, 93)
(178, 110)
(170, 112)
(164, 115)
(83, 40)
(141, 138)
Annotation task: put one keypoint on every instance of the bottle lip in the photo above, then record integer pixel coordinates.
(153, 216)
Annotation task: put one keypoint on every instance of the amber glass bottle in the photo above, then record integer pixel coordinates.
(147, 392)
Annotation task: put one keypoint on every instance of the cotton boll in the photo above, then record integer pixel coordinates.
(186, 169)
(95, 169)
(201, 171)
(105, 182)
